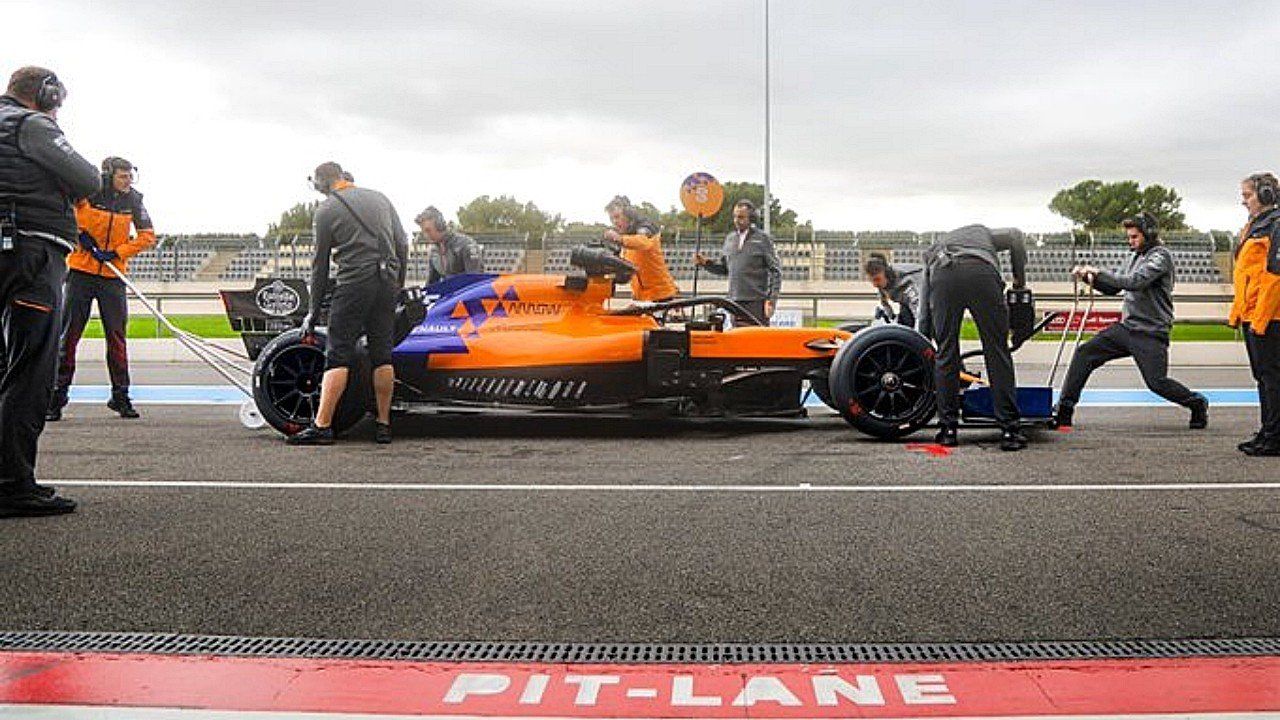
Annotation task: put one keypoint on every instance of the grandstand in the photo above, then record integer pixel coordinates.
(806, 255)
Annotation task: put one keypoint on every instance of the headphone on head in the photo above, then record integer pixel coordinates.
(1264, 186)
(435, 217)
(51, 93)
(1146, 224)
(751, 208)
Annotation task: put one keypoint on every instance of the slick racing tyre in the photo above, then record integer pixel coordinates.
(286, 384)
(882, 381)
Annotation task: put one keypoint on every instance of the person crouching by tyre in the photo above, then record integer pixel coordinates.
(963, 273)
(898, 283)
(1256, 307)
(105, 239)
(40, 178)
(361, 229)
(1143, 331)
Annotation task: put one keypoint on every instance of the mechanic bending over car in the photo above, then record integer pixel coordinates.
(638, 241)
(1146, 279)
(362, 230)
(898, 283)
(962, 272)
(751, 262)
(1256, 308)
(452, 253)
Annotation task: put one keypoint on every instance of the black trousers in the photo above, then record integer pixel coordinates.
(31, 295)
(1264, 360)
(756, 308)
(82, 289)
(1148, 350)
(975, 286)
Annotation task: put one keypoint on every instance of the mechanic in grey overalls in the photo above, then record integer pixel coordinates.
(1146, 279)
(899, 283)
(962, 271)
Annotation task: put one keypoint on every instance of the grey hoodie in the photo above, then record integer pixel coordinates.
(1146, 279)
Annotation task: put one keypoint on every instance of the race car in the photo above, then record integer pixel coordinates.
(552, 343)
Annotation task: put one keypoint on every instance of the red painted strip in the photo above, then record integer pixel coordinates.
(644, 691)
(933, 449)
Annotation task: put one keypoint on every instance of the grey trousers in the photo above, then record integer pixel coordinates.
(975, 286)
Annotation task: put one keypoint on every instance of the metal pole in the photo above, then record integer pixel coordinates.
(697, 248)
(766, 117)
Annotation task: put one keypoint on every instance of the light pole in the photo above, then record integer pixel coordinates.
(766, 116)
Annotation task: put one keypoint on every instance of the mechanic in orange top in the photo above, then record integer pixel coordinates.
(105, 220)
(640, 244)
(1256, 306)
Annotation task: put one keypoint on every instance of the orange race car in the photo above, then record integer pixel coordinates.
(551, 343)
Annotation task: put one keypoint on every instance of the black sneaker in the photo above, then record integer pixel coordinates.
(382, 433)
(123, 406)
(1064, 416)
(1264, 448)
(53, 414)
(312, 436)
(45, 490)
(1247, 445)
(35, 505)
(1012, 440)
(1199, 413)
(947, 436)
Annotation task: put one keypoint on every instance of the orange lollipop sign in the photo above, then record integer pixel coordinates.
(702, 195)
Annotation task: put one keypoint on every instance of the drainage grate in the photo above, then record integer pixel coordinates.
(628, 653)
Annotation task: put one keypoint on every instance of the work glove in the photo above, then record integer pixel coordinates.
(87, 242)
(882, 315)
(104, 255)
(309, 325)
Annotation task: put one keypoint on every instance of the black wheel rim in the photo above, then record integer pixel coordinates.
(892, 382)
(292, 382)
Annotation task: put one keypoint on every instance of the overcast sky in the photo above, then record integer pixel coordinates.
(903, 115)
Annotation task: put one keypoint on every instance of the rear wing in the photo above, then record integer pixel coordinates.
(273, 306)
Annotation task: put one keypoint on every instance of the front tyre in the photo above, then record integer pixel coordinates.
(286, 384)
(882, 381)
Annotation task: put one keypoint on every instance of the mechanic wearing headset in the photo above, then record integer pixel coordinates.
(639, 242)
(104, 221)
(40, 178)
(363, 231)
(962, 272)
(751, 262)
(452, 253)
(899, 283)
(1256, 308)
(1146, 279)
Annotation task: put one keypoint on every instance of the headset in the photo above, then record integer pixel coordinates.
(1264, 186)
(434, 216)
(1148, 226)
(751, 209)
(322, 186)
(51, 93)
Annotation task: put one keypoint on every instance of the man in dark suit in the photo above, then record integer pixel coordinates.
(751, 262)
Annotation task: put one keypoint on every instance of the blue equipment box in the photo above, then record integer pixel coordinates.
(1033, 402)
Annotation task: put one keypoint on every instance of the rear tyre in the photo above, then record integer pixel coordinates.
(882, 381)
(286, 384)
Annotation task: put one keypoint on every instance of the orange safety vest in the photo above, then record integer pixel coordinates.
(1257, 274)
(652, 280)
(108, 217)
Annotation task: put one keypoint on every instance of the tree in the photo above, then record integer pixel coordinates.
(296, 220)
(1095, 205)
(779, 218)
(508, 215)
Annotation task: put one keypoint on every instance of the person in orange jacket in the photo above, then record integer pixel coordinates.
(640, 243)
(1256, 306)
(105, 238)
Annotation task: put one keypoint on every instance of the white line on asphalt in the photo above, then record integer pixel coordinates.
(650, 488)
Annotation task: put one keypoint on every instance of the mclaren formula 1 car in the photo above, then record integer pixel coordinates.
(551, 343)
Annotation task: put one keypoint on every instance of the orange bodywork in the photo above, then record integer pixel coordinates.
(537, 321)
